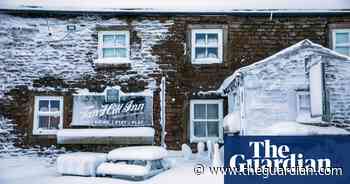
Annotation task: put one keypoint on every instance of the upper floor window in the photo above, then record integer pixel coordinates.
(206, 120)
(48, 115)
(114, 45)
(207, 46)
(341, 41)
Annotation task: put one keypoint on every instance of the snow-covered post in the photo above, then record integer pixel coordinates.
(162, 111)
(216, 156)
(210, 150)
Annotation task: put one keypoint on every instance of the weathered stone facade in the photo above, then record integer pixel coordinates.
(38, 56)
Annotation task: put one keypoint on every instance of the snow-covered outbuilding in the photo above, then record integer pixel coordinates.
(305, 83)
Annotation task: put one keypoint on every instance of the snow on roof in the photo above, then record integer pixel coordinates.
(295, 128)
(138, 153)
(304, 44)
(178, 6)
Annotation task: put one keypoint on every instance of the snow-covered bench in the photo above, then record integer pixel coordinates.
(81, 163)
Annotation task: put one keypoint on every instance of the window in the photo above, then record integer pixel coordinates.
(113, 45)
(303, 106)
(48, 115)
(341, 41)
(206, 46)
(206, 120)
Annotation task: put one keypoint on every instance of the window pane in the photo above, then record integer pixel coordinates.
(199, 129)
(213, 39)
(199, 111)
(120, 52)
(200, 53)
(212, 52)
(212, 111)
(200, 39)
(120, 40)
(342, 38)
(54, 122)
(213, 128)
(108, 52)
(108, 40)
(55, 105)
(43, 105)
(44, 122)
(342, 50)
(304, 102)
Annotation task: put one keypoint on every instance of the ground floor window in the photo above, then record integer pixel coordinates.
(206, 120)
(48, 115)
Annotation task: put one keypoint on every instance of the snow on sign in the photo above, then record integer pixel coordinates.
(113, 108)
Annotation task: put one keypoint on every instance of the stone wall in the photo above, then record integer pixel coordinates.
(337, 79)
(38, 56)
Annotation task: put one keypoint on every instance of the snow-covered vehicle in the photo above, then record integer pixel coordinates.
(135, 163)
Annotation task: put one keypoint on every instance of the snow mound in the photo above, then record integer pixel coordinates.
(186, 151)
(232, 122)
(138, 153)
(295, 128)
(122, 169)
(80, 163)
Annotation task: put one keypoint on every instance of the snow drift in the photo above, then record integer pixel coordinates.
(80, 163)
(295, 128)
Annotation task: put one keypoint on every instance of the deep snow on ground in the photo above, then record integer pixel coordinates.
(37, 170)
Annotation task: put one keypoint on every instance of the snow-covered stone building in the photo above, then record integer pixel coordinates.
(305, 83)
(101, 75)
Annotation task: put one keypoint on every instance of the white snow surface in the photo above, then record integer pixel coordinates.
(174, 6)
(122, 169)
(138, 153)
(80, 163)
(232, 122)
(21, 170)
(106, 132)
(294, 128)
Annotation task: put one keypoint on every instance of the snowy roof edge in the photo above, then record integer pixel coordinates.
(227, 82)
(40, 9)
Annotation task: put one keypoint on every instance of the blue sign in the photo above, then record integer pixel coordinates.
(287, 159)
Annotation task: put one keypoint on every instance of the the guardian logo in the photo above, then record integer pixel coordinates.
(267, 155)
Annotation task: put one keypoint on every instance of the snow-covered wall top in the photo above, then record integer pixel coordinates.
(175, 6)
(35, 47)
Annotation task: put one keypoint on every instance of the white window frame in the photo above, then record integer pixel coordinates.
(36, 129)
(334, 44)
(193, 138)
(100, 45)
(195, 60)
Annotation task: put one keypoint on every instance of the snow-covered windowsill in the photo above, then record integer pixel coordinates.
(113, 62)
(206, 61)
(44, 132)
(136, 135)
